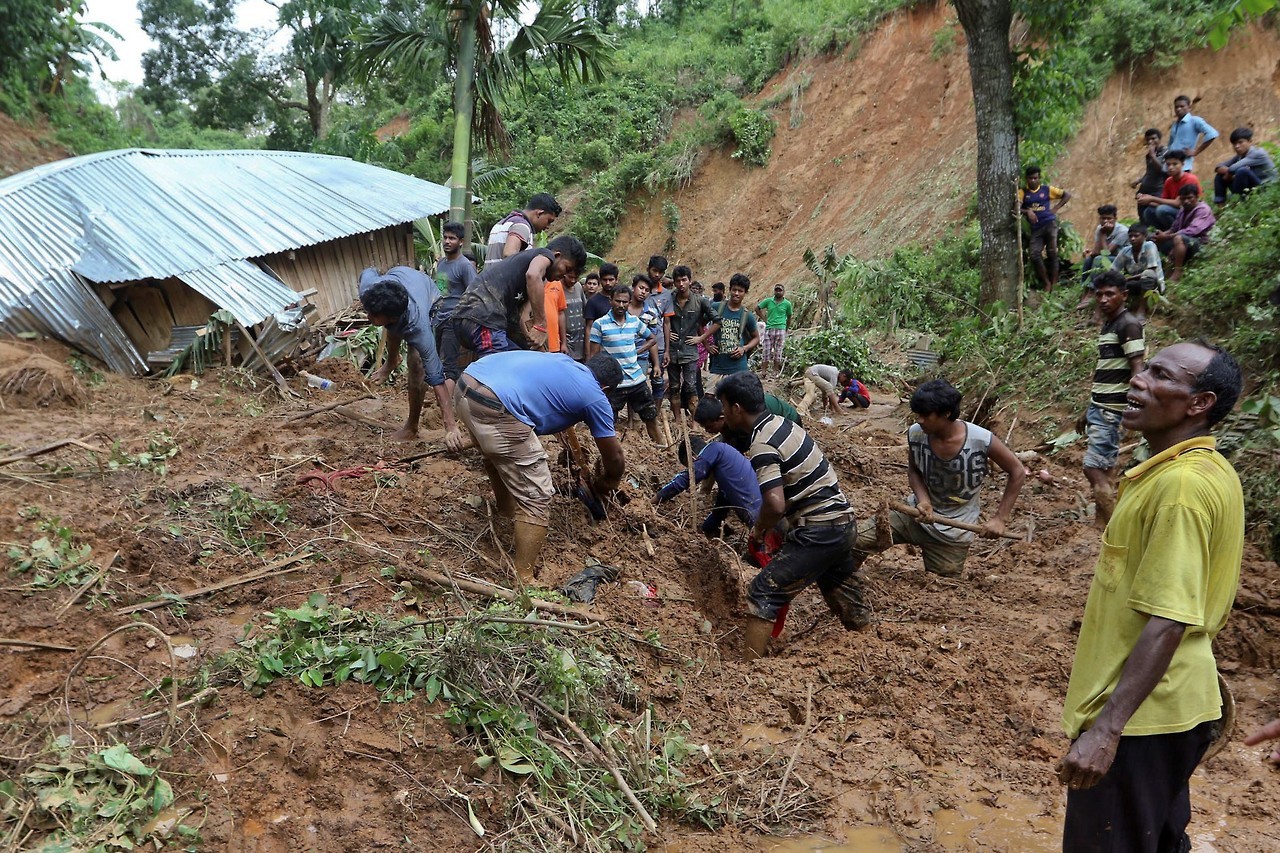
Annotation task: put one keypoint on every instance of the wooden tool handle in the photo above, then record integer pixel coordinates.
(962, 525)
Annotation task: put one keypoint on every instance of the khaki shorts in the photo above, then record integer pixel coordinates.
(939, 557)
(514, 458)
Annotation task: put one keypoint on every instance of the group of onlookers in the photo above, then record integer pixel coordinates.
(1173, 219)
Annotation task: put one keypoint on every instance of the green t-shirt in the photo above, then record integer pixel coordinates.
(781, 408)
(777, 312)
(1172, 549)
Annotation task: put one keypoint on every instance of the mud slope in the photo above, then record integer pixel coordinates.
(1237, 86)
(23, 146)
(883, 153)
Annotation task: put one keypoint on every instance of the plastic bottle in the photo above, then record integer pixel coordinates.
(317, 381)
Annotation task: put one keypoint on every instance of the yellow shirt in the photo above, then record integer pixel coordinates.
(1172, 549)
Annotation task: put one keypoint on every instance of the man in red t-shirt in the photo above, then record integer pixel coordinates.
(1160, 210)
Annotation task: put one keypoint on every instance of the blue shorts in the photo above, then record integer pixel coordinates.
(1104, 438)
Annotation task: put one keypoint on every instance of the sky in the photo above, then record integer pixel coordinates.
(122, 16)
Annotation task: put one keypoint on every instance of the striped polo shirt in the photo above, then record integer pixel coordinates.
(782, 453)
(619, 340)
(1119, 340)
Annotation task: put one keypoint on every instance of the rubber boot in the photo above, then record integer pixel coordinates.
(756, 639)
(528, 544)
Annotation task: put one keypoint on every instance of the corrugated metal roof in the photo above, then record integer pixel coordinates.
(139, 214)
(241, 287)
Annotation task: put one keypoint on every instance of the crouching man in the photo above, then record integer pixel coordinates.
(797, 482)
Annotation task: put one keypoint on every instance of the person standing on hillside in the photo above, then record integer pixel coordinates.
(738, 334)
(454, 274)
(1040, 204)
(692, 322)
(947, 463)
(1143, 702)
(509, 399)
(1121, 349)
(796, 482)
(513, 233)
(1151, 182)
(775, 313)
(1188, 132)
(487, 318)
(400, 300)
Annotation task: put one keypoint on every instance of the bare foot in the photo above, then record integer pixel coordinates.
(404, 434)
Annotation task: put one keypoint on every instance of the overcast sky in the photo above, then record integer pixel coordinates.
(122, 16)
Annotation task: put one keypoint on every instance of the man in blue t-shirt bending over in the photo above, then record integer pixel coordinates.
(508, 399)
(738, 488)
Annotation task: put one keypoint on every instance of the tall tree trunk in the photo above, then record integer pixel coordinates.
(463, 109)
(986, 28)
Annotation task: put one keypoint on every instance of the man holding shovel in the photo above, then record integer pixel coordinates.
(947, 464)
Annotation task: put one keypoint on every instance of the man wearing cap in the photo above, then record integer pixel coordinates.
(1143, 702)
(775, 313)
(400, 301)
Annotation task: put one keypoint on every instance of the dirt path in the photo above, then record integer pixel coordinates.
(935, 731)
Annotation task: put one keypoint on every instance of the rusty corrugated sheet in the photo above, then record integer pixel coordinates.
(133, 215)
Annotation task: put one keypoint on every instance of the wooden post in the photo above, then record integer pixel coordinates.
(688, 452)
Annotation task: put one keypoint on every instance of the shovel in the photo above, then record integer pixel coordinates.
(962, 525)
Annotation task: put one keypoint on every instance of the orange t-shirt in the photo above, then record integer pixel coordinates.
(553, 301)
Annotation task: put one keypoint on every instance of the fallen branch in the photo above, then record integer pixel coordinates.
(142, 718)
(279, 567)
(649, 823)
(49, 448)
(420, 575)
(9, 641)
(328, 407)
(75, 596)
(285, 390)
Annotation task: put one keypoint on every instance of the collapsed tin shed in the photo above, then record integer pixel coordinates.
(110, 252)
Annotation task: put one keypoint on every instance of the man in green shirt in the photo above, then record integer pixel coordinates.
(1143, 702)
(775, 313)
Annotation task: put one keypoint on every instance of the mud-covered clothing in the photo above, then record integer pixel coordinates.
(497, 296)
(1143, 803)
(1172, 549)
(1119, 340)
(515, 223)
(944, 560)
(823, 555)
(733, 476)
(414, 328)
(783, 454)
(954, 485)
(548, 391)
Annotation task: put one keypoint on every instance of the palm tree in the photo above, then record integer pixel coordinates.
(573, 48)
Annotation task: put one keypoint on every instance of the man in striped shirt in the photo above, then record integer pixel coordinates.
(797, 482)
(616, 333)
(1120, 353)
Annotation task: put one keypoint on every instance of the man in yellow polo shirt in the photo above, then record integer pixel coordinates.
(1143, 702)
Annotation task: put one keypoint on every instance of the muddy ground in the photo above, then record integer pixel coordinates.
(935, 731)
